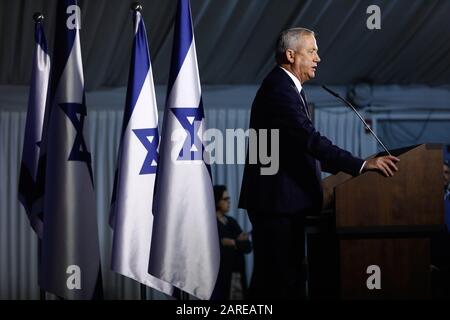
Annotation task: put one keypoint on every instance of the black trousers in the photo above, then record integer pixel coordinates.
(279, 249)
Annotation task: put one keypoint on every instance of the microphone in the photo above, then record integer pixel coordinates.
(359, 115)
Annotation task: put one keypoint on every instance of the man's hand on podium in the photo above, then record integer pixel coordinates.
(384, 164)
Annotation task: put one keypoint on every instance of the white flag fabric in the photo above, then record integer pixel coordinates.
(185, 243)
(33, 127)
(70, 255)
(131, 207)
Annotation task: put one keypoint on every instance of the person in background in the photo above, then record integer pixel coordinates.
(231, 281)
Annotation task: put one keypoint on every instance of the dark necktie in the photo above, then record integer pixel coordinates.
(318, 166)
(302, 94)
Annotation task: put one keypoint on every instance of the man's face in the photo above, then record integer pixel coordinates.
(304, 59)
(446, 175)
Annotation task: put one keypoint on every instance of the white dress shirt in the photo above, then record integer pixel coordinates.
(299, 87)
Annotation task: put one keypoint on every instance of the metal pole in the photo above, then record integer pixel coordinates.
(143, 292)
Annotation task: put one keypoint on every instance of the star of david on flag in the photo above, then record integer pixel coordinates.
(190, 119)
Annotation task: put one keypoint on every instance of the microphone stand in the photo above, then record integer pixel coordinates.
(359, 115)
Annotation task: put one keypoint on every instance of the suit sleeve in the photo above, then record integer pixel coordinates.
(285, 114)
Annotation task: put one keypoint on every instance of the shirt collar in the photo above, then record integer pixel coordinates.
(297, 83)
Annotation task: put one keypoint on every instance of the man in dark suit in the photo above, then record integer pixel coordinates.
(277, 204)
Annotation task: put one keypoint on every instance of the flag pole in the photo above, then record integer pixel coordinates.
(184, 296)
(136, 6)
(143, 292)
(38, 17)
(42, 295)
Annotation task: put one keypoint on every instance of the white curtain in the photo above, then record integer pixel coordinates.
(18, 246)
(344, 129)
(231, 174)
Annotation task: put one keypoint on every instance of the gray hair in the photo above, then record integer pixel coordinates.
(288, 39)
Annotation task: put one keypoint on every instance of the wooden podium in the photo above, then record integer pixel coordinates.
(383, 226)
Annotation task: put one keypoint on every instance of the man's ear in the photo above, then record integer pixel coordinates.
(289, 55)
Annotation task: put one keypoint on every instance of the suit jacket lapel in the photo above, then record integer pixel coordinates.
(302, 98)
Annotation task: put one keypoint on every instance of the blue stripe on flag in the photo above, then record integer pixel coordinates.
(183, 36)
(140, 64)
(65, 37)
(39, 37)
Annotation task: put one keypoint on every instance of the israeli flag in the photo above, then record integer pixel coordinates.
(70, 255)
(131, 212)
(33, 126)
(185, 243)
